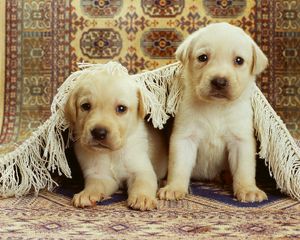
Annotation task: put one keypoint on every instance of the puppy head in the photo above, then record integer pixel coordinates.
(220, 61)
(103, 109)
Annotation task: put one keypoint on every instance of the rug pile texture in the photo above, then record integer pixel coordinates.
(209, 213)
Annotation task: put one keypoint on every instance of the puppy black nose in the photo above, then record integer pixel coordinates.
(99, 133)
(219, 83)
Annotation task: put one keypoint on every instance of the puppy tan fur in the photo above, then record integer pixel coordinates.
(213, 128)
(113, 144)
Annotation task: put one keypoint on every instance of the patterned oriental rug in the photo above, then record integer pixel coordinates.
(45, 39)
(209, 213)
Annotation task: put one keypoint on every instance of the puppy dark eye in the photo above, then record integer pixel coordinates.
(86, 106)
(239, 61)
(121, 109)
(203, 58)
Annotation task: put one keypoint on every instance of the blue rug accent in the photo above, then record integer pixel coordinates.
(69, 191)
(220, 193)
(224, 194)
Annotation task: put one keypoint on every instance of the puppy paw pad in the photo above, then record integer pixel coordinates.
(142, 202)
(86, 199)
(251, 195)
(169, 193)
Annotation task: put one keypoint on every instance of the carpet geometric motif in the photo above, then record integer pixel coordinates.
(224, 8)
(101, 43)
(37, 63)
(160, 43)
(101, 8)
(196, 216)
(162, 8)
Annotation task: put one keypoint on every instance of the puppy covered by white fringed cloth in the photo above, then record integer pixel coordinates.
(30, 165)
(113, 144)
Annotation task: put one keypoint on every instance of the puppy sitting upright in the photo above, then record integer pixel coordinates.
(213, 127)
(113, 144)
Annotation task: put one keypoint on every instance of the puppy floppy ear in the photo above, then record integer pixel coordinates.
(184, 50)
(259, 60)
(71, 109)
(141, 108)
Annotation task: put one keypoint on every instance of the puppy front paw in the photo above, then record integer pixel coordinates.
(142, 202)
(250, 194)
(171, 193)
(87, 198)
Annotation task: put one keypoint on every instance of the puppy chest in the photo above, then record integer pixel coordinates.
(211, 158)
(119, 170)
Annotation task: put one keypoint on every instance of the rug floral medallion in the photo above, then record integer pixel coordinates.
(44, 41)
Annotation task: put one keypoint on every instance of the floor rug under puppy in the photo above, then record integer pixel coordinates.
(210, 212)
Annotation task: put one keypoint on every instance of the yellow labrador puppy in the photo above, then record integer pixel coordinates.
(213, 128)
(113, 143)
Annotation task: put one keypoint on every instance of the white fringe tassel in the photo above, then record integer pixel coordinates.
(158, 92)
(25, 168)
(277, 146)
(30, 165)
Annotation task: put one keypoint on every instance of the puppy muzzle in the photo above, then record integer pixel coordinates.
(99, 138)
(219, 87)
(102, 139)
(99, 134)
